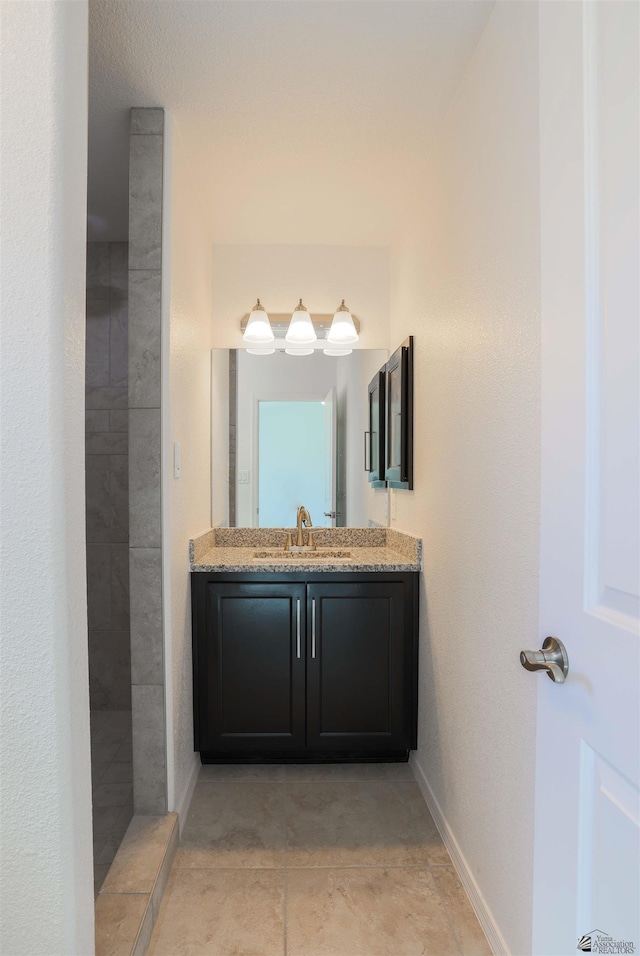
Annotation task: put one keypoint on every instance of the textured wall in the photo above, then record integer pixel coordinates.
(46, 893)
(187, 420)
(465, 282)
(107, 480)
(322, 275)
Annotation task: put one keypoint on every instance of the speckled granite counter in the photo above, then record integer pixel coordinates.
(371, 549)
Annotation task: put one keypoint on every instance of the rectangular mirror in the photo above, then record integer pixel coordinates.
(290, 430)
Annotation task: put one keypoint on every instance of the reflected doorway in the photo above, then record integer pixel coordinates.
(296, 461)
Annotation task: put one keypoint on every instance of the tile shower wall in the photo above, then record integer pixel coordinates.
(107, 505)
(145, 530)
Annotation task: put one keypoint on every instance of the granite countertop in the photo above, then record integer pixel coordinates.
(371, 549)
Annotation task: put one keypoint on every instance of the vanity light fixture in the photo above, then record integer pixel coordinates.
(337, 351)
(258, 331)
(342, 332)
(299, 351)
(259, 351)
(301, 331)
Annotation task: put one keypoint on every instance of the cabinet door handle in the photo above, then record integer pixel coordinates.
(298, 628)
(313, 628)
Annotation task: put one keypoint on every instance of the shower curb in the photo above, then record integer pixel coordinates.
(128, 904)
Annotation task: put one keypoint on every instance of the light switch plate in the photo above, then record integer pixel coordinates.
(243, 477)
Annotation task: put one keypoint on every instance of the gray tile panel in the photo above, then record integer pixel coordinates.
(118, 421)
(118, 343)
(144, 478)
(119, 498)
(147, 653)
(98, 270)
(144, 339)
(97, 342)
(99, 586)
(147, 120)
(98, 514)
(96, 420)
(149, 760)
(119, 252)
(106, 443)
(109, 669)
(100, 396)
(145, 202)
(119, 590)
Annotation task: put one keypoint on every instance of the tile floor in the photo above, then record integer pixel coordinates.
(112, 783)
(327, 860)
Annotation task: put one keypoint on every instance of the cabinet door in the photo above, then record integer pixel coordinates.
(251, 668)
(357, 661)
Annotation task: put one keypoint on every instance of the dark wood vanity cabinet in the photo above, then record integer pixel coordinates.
(304, 666)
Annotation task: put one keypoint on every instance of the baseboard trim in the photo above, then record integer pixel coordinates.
(183, 809)
(481, 908)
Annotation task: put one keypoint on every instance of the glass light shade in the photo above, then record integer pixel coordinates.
(258, 330)
(299, 351)
(259, 351)
(301, 331)
(337, 351)
(342, 331)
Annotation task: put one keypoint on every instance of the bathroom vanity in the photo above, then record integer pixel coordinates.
(305, 656)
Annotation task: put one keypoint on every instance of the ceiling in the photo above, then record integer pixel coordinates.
(305, 121)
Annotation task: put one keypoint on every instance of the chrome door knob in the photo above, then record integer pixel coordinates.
(553, 659)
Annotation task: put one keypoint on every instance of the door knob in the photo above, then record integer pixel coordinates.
(553, 659)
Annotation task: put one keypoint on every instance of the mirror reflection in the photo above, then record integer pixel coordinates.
(288, 430)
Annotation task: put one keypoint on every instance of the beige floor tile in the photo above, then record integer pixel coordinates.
(464, 920)
(344, 773)
(234, 824)
(118, 919)
(440, 854)
(241, 773)
(221, 912)
(366, 912)
(359, 824)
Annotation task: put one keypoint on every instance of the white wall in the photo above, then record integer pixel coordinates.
(186, 419)
(465, 282)
(320, 275)
(364, 503)
(46, 888)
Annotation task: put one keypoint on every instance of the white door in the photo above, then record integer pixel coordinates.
(330, 459)
(586, 866)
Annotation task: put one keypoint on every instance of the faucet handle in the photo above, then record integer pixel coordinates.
(288, 545)
(311, 540)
